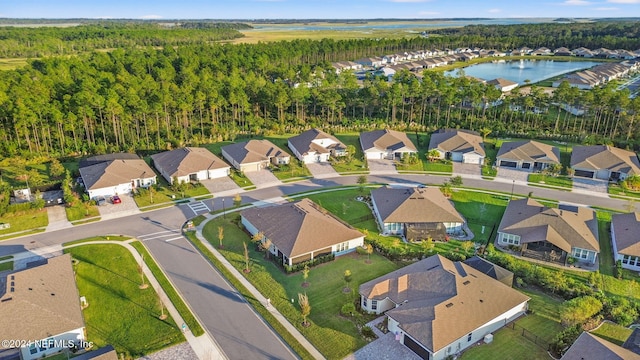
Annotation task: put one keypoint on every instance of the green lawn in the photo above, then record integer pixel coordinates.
(294, 169)
(171, 292)
(489, 171)
(240, 179)
(31, 219)
(613, 332)
(344, 205)
(480, 209)
(617, 190)
(81, 211)
(165, 194)
(560, 181)
(119, 312)
(6, 266)
(510, 344)
(334, 335)
(355, 162)
(606, 252)
(97, 238)
(438, 167)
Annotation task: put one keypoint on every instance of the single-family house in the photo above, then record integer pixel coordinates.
(301, 231)
(592, 347)
(316, 146)
(371, 62)
(503, 85)
(625, 237)
(562, 51)
(550, 234)
(415, 213)
(438, 308)
(604, 162)
(387, 72)
(386, 144)
(458, 145)
(41, 305)
(541, 51)
(113, 174)
(189, 164)
(527, 155)
(254, 155)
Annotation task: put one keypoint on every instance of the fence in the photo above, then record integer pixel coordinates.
(529, 335)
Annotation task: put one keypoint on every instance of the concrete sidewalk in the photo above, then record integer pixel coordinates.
(281, 319)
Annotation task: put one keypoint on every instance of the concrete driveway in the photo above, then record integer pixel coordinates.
(262, 178)
(584, 184)
(219, 185)
(466, 169)
(127, 207)
(512, 174)
(321, 170)
(57, 218)
(382, 167)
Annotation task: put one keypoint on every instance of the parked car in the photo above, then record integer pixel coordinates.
(100, 200)
(116, 199)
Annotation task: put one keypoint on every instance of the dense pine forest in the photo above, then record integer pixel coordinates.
(143, 96)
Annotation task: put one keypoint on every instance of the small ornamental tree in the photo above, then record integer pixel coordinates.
(246, 258)
(362, 180)
(347, 279)
(305, 275)
(237, 200)
(220, 235)
(305, 308)
(369, 249)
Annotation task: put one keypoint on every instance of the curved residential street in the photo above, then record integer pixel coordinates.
(229, 320)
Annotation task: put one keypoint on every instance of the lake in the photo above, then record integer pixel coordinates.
(521, 70)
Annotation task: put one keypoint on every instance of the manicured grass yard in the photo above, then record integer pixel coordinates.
(81, 211)
(119, 312)
(355, 164)
(344, 205)
(334, 335)
(613, 332)
(294, 169)
(561, 181)
(617, 190)
(510, 344)
(480, 209)
(164, 194)
(26, 220)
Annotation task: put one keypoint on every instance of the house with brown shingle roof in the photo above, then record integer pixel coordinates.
(527, 155)
(592, 347)
(113, 175)
(42, 303)
(315, 145)
(415, 213)
(550, 234)
(386, 144)
(604, 162)
(625, 237)
(301, 231)
(438, 308)
(464, 146)
(503, 85)
(254, 155)
(189, 164)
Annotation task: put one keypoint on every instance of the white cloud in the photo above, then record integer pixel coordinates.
(494, 11)
(607, 9)
(576, 2)
(151, 17)
(624, 1)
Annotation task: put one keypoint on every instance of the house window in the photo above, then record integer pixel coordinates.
(343, 246)
(374, 304)
(510, 239)
(364, 302)
(580, 253)
(33, 349)
(469, 337)
(625, 259)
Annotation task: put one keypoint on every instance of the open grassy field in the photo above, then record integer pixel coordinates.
(119, 312)
(24, 220)
(334, 335)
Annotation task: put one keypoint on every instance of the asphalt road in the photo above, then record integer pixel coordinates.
(231, 322)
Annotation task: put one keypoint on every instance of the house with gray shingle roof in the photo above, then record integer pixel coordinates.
(112, 175)
(42, 303)
(625, 238)
(604, 162)
(189, 164)
(438, 308)
(550, 234)
(386, 144)
(415, 213)
(592, 347)
(316, 146)
(301, 231)
(464, 146)
(527, 155)
(503, 85)
(254, 155)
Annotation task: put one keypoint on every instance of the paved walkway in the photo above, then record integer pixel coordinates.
(385, 347)
(256, 294)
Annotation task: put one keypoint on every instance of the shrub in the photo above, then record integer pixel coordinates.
(367, 332)
(564, 339)
(310, 263)
(348, 309)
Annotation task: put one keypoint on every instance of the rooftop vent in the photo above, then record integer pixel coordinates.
(466, 282)
(449, 305)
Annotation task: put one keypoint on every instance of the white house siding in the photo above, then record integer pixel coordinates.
(603, 174)
(452, 227)
(375, 154)
(248, 225)
(584, 255)
(219, 173)
(349, 246)
(120, 189)
(256, 166)
(74, 336)
(457, 157)
(381, 305)
(314, 158)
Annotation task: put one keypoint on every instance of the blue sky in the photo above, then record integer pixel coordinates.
(307, 9)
